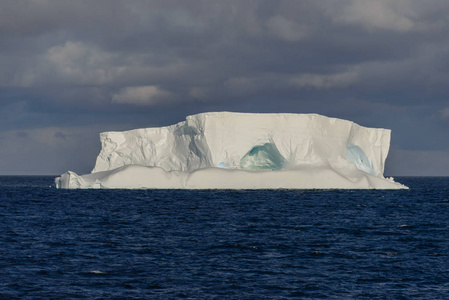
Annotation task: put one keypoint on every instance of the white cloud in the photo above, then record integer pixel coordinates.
(82, 63)
(198, 93)
(285, 29)
(397, 15)
(71, 63)
(141, 95)
(319, 81)
(444, 113)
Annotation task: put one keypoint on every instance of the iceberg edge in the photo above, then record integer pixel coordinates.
(226, 150)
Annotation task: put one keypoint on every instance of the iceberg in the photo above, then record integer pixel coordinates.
(225, 150)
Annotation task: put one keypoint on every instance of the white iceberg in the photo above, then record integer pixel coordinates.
(224, 150)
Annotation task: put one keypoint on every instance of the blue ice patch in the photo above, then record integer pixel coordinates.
(356, 155)
(264, 157)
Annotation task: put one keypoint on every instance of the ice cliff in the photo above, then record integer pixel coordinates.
(242, 151)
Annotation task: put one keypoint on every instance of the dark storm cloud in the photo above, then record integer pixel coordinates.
(85, 66)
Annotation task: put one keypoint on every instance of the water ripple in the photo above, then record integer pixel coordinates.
(223, 244)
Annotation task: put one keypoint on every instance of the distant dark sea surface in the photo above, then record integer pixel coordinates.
(223, 244)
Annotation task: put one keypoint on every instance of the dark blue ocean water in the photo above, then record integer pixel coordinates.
(223, 244)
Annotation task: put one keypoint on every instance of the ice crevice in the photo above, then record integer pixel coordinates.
(263, 157)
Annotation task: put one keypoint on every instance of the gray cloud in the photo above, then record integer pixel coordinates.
(21, 134)
(123, 64)
(60, 135)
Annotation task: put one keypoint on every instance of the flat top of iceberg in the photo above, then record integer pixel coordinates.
(241, 115)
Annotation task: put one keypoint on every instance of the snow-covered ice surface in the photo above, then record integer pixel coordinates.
(224, 150)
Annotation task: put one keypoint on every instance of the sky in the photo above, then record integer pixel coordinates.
(72, 69)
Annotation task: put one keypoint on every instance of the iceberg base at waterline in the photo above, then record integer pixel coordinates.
(224, 150)
(141, 177)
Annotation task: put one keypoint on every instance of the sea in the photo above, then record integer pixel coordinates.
(223, 244)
